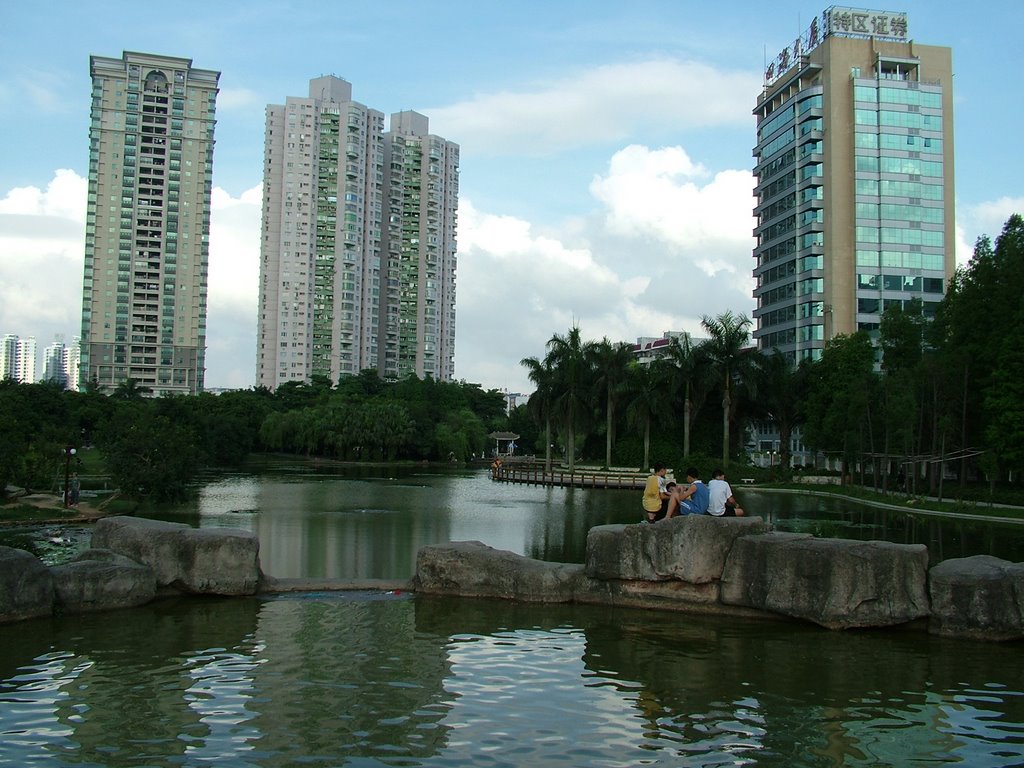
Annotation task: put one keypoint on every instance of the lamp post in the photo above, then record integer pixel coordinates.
(68, 453)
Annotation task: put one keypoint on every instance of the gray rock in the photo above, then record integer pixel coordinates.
(98, 579)
(151, 542)
(472, 569)
(692, 548)
(218, 561)
(978, 597)
(26, 586)
(836, 583)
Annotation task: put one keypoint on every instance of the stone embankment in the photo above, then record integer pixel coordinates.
(697, 564)
(737, 566)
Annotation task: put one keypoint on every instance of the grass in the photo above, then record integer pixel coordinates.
(27, 513)
(909, 502)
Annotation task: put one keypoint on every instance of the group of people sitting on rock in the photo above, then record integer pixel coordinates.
(665, 499)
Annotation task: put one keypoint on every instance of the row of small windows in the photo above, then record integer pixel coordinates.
(900, 236)
(905, 283)
(910, 165)
(901, 260)
(891, 188)
(804, 333)
(888, 95)
(896, 212)
(889, 118)
(790, 268)
(878, 306)
(897, 141)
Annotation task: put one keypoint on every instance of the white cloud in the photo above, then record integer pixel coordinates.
(657, 194)
(238, 98)
(986, 218)
(605, 104)
(42, 236)
(234, 288)
(671, 245)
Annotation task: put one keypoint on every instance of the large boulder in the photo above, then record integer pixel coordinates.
(152, 542)
(690, 548)
(98, 579)
(978, 597)
(26, 586)
(837, 583)
(472, 569)
(217, 561)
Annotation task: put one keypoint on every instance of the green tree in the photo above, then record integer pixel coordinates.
(570, 361)
(148, 455)
(727, 351)
(691, 377)
(781, 390)
(541, 402)
(610, 363)
(840, 389)
(650, 399)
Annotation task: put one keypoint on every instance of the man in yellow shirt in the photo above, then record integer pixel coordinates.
(655, 496)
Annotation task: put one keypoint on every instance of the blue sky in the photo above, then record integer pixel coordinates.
(606, 149)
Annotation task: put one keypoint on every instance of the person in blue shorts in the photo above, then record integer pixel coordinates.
(690, 499)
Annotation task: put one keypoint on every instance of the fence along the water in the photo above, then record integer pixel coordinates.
(575, 479)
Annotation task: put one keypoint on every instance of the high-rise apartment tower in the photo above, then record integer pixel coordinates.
(854, 180)
(148, 222)
(357, 267)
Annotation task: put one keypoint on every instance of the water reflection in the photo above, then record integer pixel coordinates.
(341, 522)
(370, 679)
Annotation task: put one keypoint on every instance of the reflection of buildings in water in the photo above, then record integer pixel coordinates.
(342, 528)
(347, 676)
(119, 689)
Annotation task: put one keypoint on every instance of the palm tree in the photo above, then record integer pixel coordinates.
(726, 351)
(780, 391)
(650, 398)
(691, 375)
(570, 357)
(539, 405)
(611, 366)
(131, 389)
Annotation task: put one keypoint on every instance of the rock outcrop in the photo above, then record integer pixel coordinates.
(472, 569)
(214, 561)
(98, 579)
(979, 597)
(26, 586)
(837, 583)
(707, 565)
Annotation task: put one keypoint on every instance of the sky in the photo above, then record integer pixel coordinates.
(606, 149)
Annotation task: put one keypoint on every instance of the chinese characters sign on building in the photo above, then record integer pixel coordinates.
(844, 22)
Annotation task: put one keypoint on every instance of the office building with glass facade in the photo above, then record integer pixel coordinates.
(854, 181)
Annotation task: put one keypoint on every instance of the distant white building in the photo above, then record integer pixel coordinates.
(18, 358)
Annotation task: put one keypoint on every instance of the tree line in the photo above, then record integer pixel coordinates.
(908, 403)
(155, 447)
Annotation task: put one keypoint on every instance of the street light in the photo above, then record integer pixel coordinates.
(68, 453)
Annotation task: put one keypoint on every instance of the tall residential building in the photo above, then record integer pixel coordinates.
(55, 362)
(18, 358)
(148, 222)
(60, 363)
(854, 169)
(357, 266)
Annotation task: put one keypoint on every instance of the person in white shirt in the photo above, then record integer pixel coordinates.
(723, 503)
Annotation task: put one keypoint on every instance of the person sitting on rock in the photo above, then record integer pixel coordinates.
(689, 499)
(723, 503)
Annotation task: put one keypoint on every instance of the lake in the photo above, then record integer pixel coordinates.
(392, 679)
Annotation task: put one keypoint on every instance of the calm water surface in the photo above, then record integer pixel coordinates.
(363, 679)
